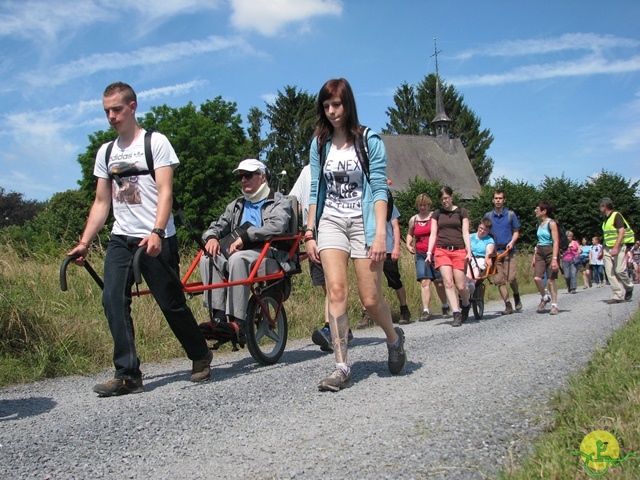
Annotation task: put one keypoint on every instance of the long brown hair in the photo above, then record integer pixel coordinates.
(336, 87)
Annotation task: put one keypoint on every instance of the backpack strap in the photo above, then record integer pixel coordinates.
(361, 144)
(148, 154)
(108, 154)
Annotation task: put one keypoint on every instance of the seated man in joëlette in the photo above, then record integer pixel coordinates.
(482, 248)
(260, 214)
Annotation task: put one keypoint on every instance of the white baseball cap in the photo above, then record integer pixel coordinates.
(251, 165)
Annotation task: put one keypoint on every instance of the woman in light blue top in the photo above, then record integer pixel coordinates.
(348, 219)
(545, 257)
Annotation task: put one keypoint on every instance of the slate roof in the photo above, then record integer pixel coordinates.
(431, 158)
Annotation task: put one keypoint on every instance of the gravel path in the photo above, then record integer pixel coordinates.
(469, 400)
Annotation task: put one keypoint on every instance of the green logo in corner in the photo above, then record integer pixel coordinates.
(600, 450)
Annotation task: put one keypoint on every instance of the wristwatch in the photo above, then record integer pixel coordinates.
(159, 232)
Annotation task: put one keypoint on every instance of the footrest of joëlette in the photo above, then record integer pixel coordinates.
(221, 333)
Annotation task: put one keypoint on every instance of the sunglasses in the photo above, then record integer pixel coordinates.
(245, 175)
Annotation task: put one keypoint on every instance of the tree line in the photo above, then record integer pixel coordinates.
(210, 140)
(575, 203)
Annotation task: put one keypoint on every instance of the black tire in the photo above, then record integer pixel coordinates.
(266, 343)
(478, 301)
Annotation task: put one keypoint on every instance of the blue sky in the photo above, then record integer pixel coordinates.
(556, 82)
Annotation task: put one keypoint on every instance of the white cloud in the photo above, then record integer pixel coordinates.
(269, 98)
(598, 59)
(570, 41)
(60, 74)
(590, 65)
(45, 20)
(627, 136)
(42, 126)
(268, 17)
(171, 90)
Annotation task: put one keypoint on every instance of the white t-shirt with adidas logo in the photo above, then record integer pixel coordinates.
(135, 199)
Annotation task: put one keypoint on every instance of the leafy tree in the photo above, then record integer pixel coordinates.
(209, 142)
(63, 219)
(54, 229)
(624, 194)
(292, 119)
(562, 192)
(15, 210)
(255, 118)
(416, 107)
(88, 181)
(405, 118)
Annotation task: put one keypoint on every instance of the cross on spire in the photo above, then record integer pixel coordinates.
(441, 121)
(436, 52)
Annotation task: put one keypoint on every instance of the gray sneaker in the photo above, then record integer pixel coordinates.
(335, 382)
(397, 355)
(201, 369)
(457, 319)
(118, 386)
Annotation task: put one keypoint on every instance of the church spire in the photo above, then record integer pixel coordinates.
(441, 121)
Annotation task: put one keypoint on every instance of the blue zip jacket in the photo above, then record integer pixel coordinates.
(372, 191)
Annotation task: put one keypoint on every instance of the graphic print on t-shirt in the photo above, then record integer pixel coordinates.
(343, 174)
(126, 187)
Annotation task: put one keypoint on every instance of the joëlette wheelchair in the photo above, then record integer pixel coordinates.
(266, 321)
(477, 298)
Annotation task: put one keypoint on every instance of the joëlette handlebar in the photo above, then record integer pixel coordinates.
(137, 275)
(89, 268)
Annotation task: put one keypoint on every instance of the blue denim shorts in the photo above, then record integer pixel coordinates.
(425, 271)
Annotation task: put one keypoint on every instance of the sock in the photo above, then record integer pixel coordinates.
(445, 305)
(394, 344)
(344, 367)
(554, 305)
(425, 310)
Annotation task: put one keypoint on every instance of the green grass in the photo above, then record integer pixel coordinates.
(605, 395)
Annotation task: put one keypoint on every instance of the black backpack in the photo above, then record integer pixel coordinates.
(562, 233)
(362, 151)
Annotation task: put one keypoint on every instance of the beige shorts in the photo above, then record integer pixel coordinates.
(343, 233)
(506, 269)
